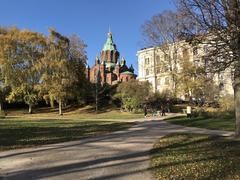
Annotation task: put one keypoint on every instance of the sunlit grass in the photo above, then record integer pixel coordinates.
(226, 123)
(87, 112)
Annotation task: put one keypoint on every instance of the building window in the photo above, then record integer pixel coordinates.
(95, 73)
(158, 70)
(197, 62)
(221, 78)
(206, 62)
(157, 59)
(195, 51)
(185, 54)
(205, 49)
(165, 68)
(167, 81)
(147, 72)
(146, 60)
(221, 86)
(166, 57)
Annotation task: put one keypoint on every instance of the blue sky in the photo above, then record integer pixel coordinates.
(89, 19)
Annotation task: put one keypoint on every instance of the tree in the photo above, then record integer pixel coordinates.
(78, 61)
(163, 31)
(4, 91)
(194, 82)
(133, 94)
(62, 67)
(217, 26)
(20, 51)
(159, 100)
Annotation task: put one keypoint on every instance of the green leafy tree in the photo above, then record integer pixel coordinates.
(133, 94)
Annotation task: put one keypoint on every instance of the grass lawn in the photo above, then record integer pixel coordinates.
(20, 133)
(87, 112)
(188, 156)
(226, 123)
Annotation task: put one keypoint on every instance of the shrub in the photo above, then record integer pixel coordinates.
(227, 103)
(2, 114)
(133, 94)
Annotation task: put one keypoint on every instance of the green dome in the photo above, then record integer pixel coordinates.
(109, 45)
(127, 72)
(111, 65)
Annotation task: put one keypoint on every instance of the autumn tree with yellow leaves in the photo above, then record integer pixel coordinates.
(38, 67)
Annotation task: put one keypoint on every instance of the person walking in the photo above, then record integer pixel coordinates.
(163, 111)
(145, 111)
(189, 112)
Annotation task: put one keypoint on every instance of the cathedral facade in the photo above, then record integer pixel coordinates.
(107, 68)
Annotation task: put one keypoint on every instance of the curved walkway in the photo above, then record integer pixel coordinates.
(120, 155)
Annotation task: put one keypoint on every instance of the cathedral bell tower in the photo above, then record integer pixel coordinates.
(109, 53)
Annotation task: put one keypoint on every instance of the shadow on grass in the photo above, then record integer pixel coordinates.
(184, 156)
(19, 134)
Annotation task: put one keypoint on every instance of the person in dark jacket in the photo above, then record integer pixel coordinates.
(163, 111)
(145, 111)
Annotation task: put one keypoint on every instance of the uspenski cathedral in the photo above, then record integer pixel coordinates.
(107, 68)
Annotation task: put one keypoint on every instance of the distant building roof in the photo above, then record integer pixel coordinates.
(126, 72)
(111, 65)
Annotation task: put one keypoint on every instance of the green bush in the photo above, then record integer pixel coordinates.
(227, 103)
(178, 108)
(2, 114)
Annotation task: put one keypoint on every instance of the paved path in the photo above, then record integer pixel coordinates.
(120, 155)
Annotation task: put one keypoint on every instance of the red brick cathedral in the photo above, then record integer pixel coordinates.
(107, 68)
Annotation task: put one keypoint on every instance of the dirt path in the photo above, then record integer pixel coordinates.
(120, 155)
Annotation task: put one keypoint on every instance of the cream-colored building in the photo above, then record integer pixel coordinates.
(155, 65)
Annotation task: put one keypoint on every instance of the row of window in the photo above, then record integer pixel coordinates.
(159, 70)
(147, 60)
(185, 52)
(163, 81)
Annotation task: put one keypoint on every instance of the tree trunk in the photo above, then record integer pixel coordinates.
(237, 104)
(0, 106)
(52, 102)
(30, 109)
(60, 107)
